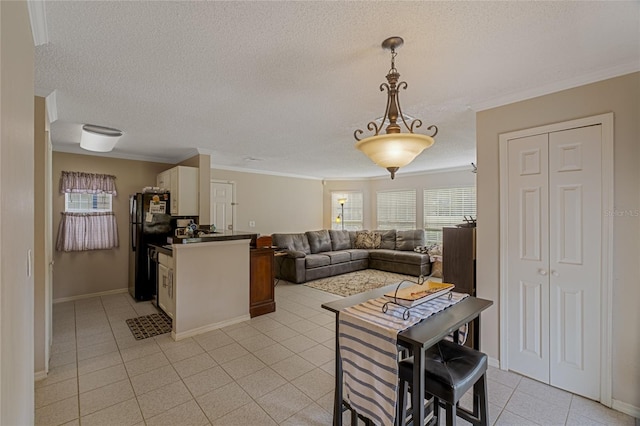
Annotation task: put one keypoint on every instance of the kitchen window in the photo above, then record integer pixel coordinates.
(87, 203)
(88, 221)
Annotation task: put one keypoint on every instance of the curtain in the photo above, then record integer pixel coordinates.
(87, 231)
(88, 183)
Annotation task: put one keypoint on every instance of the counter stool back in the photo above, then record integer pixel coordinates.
(450, 371)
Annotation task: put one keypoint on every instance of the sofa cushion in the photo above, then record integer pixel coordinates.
(367, 240)
(409, 240)
(316, 260)
(319, 241)
(338, 256)
(382, 254)
(292, 242)
(387, 239)
(340, 240)
(358, 254)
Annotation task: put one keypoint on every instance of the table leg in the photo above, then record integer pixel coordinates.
(417, 395)
(337, 395)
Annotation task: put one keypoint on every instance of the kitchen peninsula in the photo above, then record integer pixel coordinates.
(206, 281)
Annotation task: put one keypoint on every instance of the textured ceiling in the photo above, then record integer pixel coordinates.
(281, 86)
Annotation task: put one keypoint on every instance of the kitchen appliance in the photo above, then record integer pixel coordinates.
(149, 223)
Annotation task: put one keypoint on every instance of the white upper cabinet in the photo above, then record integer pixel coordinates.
(182, 183)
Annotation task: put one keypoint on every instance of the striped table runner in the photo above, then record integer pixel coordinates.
(368, 348)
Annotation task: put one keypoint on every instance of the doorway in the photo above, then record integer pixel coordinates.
(222, 205)
(555, 284)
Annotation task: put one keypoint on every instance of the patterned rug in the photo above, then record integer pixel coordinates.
(149, 325)
(358, 281)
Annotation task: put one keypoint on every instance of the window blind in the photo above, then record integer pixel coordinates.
(396, 209)
(353, 211)
(447, 207)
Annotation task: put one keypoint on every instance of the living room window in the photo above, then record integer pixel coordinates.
(447, 207)
(396, 209)
(352, 220)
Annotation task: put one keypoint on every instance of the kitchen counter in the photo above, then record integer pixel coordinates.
(216, 236)
(207, 283)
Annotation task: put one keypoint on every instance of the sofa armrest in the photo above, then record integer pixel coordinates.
(295, 254)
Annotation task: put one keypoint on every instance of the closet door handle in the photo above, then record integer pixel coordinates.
(554, 273)
(542, 271)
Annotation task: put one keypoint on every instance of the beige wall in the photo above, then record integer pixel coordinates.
(621, 96)
(369, 188)
(16, 215)
(96, 271)
(274, 203)
(39, 250)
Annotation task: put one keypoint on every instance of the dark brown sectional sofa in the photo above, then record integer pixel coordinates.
(319, 254)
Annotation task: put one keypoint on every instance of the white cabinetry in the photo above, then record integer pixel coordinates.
(163, 180)
(182, 183)
(166, 285)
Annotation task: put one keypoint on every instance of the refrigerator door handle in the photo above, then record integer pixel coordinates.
(133, 236)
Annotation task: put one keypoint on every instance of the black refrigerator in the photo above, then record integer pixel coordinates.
(149, 223)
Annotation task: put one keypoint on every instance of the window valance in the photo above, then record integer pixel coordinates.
(87, 183)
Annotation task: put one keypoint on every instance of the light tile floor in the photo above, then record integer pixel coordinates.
(276, 369)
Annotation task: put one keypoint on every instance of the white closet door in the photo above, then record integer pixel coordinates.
(528, 280)
(221, 213)
(574, 262)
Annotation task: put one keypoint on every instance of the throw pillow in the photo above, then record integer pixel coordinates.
(367, 240)
(436, 267)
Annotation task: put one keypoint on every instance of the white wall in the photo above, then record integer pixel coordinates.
(274, 203)
(622, 96)
(369, 188)
(16, 215)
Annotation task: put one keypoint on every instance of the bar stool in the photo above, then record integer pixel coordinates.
(450, 371)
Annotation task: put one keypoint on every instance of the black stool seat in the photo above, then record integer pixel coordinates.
(450, 371)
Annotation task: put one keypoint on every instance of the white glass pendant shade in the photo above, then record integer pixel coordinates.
(98, 138)
(394, 150)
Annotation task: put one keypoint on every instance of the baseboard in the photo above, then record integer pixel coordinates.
(40, 375)
(88, 296)
(209, 327)
(494, 362)
(626, 408)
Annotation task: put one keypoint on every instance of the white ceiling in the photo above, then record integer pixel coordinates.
(281, 86)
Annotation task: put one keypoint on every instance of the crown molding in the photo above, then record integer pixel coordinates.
(38, 19)
(51, 101)
(557, 86)
(261, 172)
(72, 149)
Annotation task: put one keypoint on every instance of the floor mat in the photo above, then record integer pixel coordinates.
(149, 325)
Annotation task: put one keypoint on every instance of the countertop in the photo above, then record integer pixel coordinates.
(217, 236)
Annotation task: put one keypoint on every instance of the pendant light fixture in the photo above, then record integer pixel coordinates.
(393, 149)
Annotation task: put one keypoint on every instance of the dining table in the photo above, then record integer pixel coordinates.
(417, 339)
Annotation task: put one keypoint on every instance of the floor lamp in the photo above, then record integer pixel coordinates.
(341, 201)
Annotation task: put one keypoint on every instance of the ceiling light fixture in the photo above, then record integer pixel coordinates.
(98, 138)
(393, 149)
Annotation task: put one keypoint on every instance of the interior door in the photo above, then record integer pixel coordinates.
(574, 262)
(554, 240)
(528, 281)
(222, 205)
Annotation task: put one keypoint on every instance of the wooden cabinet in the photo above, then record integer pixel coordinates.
(262, 292)
(459, 263)
(166, 285)
(182, 183)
